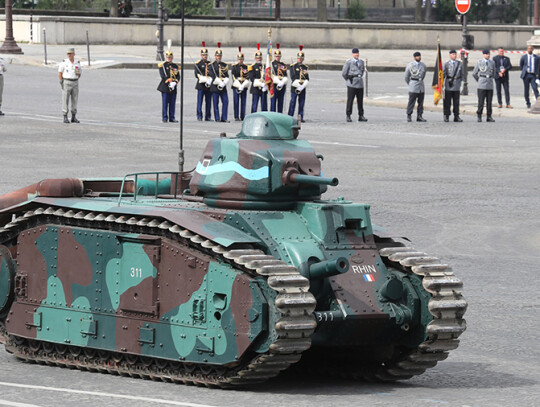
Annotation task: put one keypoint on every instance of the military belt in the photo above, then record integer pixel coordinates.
(484, 76)
(68, 79)
(415, 79)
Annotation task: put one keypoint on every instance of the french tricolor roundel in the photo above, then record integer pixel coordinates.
(369, 277)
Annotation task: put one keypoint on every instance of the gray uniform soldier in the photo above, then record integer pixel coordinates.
(2, 70)
(484, 73)
(414, 76)
(69, 72)
(453, 75)
(352, 72)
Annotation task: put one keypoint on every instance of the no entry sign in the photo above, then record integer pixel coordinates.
(462, 6)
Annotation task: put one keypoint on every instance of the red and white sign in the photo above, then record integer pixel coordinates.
(462, 6)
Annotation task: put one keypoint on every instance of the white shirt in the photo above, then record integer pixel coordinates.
(70, 70)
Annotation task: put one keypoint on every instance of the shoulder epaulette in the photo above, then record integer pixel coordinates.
(160, 65)
(307, 66)
(198, 61)
(250, 67)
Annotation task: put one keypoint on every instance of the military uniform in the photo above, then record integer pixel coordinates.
(258, 90)
(299, 79)
(219, 71)
(204, 81)
(353, 71)
(240, 78)
(453, 75)
(484, 73)
(170, 76)
(2, 70)
(414, 77)
(279, 77)
(69, 74)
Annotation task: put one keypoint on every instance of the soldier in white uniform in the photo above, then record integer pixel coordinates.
(69, 72)
(484, 73)
(414, 76)
(2, 70)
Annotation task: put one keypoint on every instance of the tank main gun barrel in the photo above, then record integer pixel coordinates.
(328, 268)
(311, 179)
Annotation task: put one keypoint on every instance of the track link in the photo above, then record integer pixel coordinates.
(293, 300)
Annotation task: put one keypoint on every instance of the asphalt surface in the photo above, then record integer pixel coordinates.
(465, 192)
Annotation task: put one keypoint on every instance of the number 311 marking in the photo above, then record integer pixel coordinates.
(136, 272)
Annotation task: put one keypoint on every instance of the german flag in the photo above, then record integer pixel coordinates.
(438, 77)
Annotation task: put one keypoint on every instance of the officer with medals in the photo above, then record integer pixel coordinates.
(69, 72)
(453, 75)
(299, 82)
(279, 77)
(170, 76)
(258, 90)
(219, 71)
(484, 73)
(414, 76)
(203, 84)
(240, 86)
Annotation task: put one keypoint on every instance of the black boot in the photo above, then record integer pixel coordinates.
(419, 118)
(457, 119)
(362, 119)
(409, 118)
(66, 119)
(490, 119)
(74, 119)
(446, 118)
(479, 118)
(349, 118)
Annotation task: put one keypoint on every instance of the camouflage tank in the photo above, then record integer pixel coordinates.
(222, 276)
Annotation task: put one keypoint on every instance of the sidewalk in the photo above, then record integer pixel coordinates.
(144, 57)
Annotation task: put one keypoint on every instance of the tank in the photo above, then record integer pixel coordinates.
(222, 276)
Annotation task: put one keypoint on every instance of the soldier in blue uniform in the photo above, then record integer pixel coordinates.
(219, 71)
(258, 90)
(279, 77)
(299, 82)
(170, 76)
(240, 86)
(204, 81)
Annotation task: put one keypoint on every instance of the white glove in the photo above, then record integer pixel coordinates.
(264, 88)
(301, 88)
(172, 85)
(225, 81)
(209, 81)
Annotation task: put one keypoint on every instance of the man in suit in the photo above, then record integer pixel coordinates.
(453, 75)
(414, 76)
(530, 72)
(484, 73)
(352, 72)
(502, 67)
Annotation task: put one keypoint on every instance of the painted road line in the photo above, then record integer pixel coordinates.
(337, 143)
(15, 404)
(102, 394)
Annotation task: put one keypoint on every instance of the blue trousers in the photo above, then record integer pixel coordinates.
(207, 96)
(301, 101)
(168, 105)
(216, 96)
(239, 104)
(278, 99)
(255, 102)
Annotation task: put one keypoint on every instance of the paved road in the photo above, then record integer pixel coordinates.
(466, 192)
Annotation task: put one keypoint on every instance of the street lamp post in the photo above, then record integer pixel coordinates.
(159, 54)
(9, 46)
(468, 44)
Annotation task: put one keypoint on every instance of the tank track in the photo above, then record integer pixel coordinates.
(293, 300)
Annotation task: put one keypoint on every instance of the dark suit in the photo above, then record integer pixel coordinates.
(529, 78)
(502, 63)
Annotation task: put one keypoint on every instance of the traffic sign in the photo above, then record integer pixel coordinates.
(462, 6)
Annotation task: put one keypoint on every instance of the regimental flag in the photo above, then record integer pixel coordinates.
(438, 77)
(369, 277)
(268, 68)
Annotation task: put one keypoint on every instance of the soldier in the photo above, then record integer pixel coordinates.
(502, 67)
(240, 86)
(279, 77)
(352, 72)
(220, 78)
(414, 76)
(2, 70)
(259, 90)
(170, 76)
(484, 72)
(300, 80)
(204, 81)
(453, 75)
(69, 72)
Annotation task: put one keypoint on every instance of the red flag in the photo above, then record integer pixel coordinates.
(438, 77)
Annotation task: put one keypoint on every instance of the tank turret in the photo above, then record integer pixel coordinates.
(264, 166)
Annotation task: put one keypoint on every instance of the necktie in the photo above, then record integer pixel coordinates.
(530, 63)
(358, 63)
